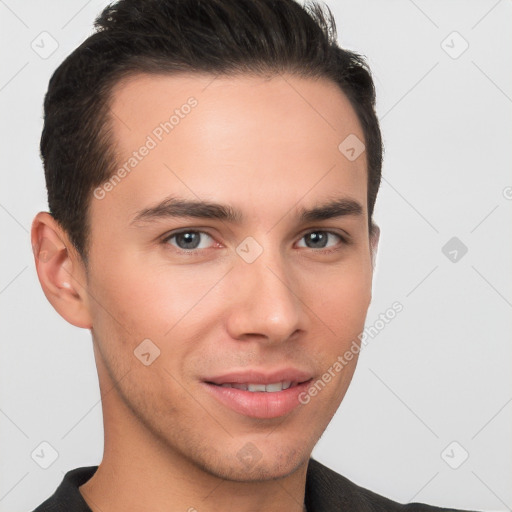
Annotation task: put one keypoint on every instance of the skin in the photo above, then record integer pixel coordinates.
(267, 146)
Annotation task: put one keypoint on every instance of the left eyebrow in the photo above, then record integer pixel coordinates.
(175, 207)
(335, 208)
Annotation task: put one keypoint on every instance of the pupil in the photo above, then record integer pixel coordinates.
(318, 236)
(189, 239)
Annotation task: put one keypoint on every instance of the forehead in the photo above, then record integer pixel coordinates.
(141, 100)
(249, 138)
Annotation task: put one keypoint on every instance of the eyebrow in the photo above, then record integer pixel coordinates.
(175, 207)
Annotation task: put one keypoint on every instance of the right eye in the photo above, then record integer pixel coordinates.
(187, 240)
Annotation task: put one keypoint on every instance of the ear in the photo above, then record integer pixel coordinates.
(374, 243)
(60, 270)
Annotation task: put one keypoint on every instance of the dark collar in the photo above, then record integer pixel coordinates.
(326, 491)
(67, 497)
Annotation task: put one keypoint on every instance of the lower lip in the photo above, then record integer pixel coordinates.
(259, 404)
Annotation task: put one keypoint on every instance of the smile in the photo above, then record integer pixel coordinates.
(260, 388)
(257, 393)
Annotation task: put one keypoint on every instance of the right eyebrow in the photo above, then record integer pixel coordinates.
(181, 207)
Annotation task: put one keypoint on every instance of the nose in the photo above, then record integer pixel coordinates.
(264, 302)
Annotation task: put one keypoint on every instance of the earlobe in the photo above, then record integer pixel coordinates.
(60, 270)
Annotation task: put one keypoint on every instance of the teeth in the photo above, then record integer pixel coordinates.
(256, 387)
(271, 388)
(268, 388)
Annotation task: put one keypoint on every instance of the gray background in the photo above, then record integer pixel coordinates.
(439, 372)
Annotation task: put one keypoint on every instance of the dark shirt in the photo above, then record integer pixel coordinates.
(326, 491)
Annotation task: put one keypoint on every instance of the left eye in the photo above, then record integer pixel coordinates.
(319, 238)
(190, 240)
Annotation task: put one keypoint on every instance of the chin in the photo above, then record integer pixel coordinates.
(249, 464)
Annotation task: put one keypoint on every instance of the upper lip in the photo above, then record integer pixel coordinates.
(255, 376)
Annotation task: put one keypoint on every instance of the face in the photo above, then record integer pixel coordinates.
(193, 310)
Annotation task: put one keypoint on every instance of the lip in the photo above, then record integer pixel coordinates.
(261, 377)
(263, 405)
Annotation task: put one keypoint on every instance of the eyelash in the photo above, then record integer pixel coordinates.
(194, 252)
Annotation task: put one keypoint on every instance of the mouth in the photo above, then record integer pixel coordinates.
(259, 388)
(259, 395)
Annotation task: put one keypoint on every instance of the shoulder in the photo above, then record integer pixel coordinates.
(327, 490)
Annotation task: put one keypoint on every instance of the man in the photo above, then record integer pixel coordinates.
(212, 169)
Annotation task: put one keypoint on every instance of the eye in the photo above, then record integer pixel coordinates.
(188, 240)
(191, 241)
(318, 239)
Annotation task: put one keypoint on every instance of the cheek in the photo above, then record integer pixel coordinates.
(341, 296)
(148, 297)
(347, 307)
